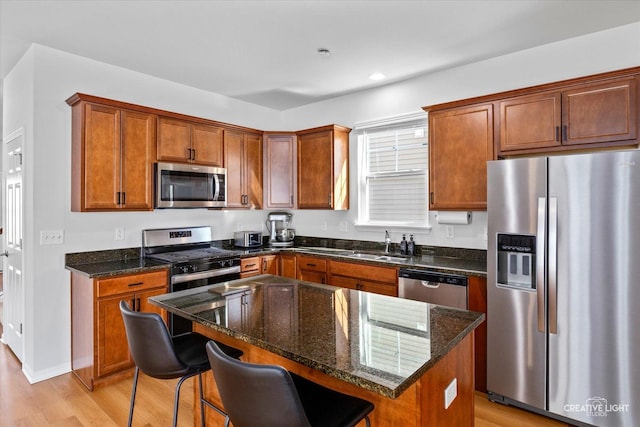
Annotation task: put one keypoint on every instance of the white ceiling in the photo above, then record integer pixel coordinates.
(265, 52)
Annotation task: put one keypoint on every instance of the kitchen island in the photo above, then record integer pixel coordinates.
(399, 354)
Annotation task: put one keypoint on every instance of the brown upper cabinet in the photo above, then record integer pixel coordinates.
(280, 176)
(460, 143)
(113, 151)
(243, 161)
(586, 114)
(323, 168)
(183, 141)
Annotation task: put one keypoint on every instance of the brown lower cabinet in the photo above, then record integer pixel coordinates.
(99, 350)
(266, 264)
(363, 277)
(311, 269)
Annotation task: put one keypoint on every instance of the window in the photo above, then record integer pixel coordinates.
(393, 172)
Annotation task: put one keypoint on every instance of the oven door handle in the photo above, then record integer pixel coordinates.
(181, 278)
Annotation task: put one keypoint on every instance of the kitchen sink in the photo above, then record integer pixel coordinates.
(376, 257)
(391, 258)
(362, 255)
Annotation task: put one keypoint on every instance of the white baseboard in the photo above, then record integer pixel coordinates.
(45, 374)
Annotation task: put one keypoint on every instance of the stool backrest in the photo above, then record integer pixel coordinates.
(254, 394)
(150, 344)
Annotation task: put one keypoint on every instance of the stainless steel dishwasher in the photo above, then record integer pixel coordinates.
(435, 288)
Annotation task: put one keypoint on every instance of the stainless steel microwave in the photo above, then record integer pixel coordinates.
(190, 186)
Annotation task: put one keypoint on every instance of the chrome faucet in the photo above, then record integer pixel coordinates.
(387, 241)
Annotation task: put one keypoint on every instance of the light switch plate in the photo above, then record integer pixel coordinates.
(449, 233)
(51, 237)
(450, 393)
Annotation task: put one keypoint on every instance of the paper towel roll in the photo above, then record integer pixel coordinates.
(453, 217)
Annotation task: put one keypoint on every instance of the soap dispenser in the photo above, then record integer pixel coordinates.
(411, 246)
(403, 244)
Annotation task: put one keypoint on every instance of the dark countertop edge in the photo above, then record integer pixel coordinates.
(99, 270)
(341, 375)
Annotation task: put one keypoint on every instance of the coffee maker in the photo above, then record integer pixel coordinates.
(280, 235)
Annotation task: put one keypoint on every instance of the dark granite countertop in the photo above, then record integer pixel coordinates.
(127, 261)
(341, 332)
(99, 264)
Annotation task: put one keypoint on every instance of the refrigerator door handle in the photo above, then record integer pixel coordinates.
(540, 256)
(552, 265)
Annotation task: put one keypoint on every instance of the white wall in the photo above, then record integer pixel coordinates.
(34, 97)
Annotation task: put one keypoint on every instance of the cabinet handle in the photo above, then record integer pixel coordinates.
(558, 133)
(564, 133)
(135, 284)
(133, 304)
(264, 265)
(193, 154)
(188, 153)
(292, 200)
(118, 198)
(431, 197)
(137, 304)
(250, 265)
(330, 200)
(124, 197)
(310, 265)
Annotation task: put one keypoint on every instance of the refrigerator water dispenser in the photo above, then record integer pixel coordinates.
(516, 261)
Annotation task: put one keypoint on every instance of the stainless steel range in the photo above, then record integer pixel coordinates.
(195, 261)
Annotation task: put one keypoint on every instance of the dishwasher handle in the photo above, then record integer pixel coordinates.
(432, 285)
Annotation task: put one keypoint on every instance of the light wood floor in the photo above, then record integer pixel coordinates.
(62, 401)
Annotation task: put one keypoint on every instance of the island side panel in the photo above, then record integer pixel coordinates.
(422, 404)
(457, 364)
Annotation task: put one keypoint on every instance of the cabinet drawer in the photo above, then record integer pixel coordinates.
(131, 283)
(311, 263)
(364, 285)
(249, 264)
(365, 272)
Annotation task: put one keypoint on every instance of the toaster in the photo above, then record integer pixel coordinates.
(247, 239)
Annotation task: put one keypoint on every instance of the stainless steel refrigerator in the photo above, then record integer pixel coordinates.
(564, 286)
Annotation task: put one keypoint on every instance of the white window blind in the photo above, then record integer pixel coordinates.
(394, 172)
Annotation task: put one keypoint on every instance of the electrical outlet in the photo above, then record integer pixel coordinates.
(448, 231)
(323, 226)
(343, 226)
(450, 393)
(119, 233)
(52, 237)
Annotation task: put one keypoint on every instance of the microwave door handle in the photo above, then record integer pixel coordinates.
(216, 186)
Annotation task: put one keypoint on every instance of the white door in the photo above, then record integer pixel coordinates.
(13, 299)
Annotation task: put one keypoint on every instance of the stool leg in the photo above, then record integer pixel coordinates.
(201, 400)
(133, 395)
(176, 403)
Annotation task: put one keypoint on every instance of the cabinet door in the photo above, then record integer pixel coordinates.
(174, 140)
(206, 142)
(138, 156)
(315, 174)
(460, 143)
(280, 173)
(234, 163)
(269, 264)
(143, 304)
(249, 267)
(288, 266)
(603, 112)
(113, 351)
(531, 121)
(101, 161)
(253, 170)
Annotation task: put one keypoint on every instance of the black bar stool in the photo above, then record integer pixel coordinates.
(270, 396)
(159, 355)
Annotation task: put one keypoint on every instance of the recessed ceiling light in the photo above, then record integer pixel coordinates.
(323, 51)
(376, 76)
